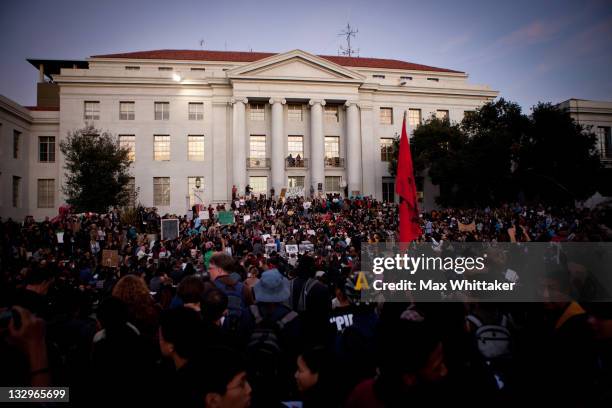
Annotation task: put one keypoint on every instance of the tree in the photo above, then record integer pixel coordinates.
(558, 161)
(498, 154)
(96, 170)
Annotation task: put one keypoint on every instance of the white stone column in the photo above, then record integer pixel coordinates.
(239, 144)
(317, 145)
(354, 161)
(277, 161)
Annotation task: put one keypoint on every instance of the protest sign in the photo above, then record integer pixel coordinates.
(246, 218)
(311, 232)
(306, 246)
(204, 215)
(110, 258)
(169, 229)
(467, 227)
(226, 217)
(270, 248)
(291, 249)
(307, 205)
(60, 237)
(295, 192)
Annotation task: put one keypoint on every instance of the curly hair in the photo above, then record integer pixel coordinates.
(133, 291)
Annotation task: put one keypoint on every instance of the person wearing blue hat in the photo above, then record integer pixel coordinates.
(275, 340)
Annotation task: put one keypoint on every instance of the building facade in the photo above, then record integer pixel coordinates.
(199, 122)
(596, 116)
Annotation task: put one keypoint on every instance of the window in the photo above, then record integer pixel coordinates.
(162, 110)
(164, 68)
(130, 187)
(195, 193)
(378, 76)
(295, 181)
(386, 116)
(132, 68)
(332, 147)
(161, 147)
(442, 114)
(295, 146)
(259, 184)
(331, 113)
(386, 149)
(198, 69)
(46, 149)
(46, 192)
(433, 79)
(294, 112)
(414, 118)
(604, 137)
(161, 191)
(126, 111)
(16, 185)
(332, 183)
(196, 147)
(196, 111)
(257, 111)
(92, 110)
(16, 142)
(388, 191)
(406, 78)
(128, 142)
(257, 147)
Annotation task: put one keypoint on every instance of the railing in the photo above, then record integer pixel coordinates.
(337, 162)
(258, 163)
(294, 163)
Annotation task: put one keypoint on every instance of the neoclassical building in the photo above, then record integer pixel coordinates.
(199, 122)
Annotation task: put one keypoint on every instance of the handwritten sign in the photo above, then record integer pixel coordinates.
(110, 258)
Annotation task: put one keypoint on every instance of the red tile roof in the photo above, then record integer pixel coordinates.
(239, 56)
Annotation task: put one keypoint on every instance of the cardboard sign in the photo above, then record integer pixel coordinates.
(169, 229)
(291, 249)
(204, 215)
(467, 227)
(110, 258)
(226, 217)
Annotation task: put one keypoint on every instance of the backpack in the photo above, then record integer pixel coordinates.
(264, 346)
(308, 285)
(492, 341)
(236, 307)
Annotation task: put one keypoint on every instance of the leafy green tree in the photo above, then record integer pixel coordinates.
(97, 170)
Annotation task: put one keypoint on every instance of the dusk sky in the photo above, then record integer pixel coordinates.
(529, 51)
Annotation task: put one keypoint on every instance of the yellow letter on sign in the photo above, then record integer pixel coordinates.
(362, 282)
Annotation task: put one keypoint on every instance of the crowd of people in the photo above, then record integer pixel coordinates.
(265, 311)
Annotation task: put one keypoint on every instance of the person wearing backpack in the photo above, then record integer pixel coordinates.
(238, 294)
(311, 300)
(274, 341)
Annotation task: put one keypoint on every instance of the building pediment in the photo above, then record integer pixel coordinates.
(295, 65)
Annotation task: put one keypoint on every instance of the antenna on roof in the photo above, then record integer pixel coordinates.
(202, 43)
(348, 32)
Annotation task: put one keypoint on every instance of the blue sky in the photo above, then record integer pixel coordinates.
(530, 51)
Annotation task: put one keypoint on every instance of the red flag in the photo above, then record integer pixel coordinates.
(405, 187)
